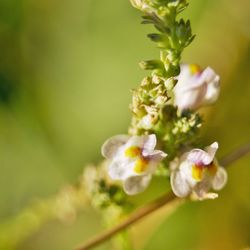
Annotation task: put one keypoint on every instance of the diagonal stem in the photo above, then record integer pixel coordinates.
(235, 155)
(134, 217)
(156, 204)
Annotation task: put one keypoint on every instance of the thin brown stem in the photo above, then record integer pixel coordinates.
(155, 205)
(134, 217)
(235, 155)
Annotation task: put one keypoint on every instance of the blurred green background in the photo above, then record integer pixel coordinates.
(66, 68)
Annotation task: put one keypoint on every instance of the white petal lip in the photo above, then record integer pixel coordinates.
(136, 184)
(179, 184)
(149, 144)
(110, 146)
(136, 140)
(116, 170)
(220, 179)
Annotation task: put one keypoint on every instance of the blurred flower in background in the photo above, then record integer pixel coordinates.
(66, 68)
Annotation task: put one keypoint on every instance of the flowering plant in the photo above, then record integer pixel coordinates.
(163, 133)
(162, 158)
(164, 114)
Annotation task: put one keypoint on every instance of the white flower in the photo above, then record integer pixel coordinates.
(196, 87)
(196, 172)
(140, 4)
(132, 160)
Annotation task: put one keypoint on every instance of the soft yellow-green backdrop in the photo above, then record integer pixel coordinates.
(66, 68)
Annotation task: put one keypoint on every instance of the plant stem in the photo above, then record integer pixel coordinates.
(134, 217)
(235, 155)
(156, 204)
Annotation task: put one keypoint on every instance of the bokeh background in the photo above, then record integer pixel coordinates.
(66, 68)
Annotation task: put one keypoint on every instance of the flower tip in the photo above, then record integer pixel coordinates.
(215, 145)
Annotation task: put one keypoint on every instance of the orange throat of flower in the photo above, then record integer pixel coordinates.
(198, 170)
(140, 163)
(195, 69)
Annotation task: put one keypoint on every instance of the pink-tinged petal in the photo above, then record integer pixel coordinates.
(111, 146)
(153, 161)
(179, 184)
(208, 75)
(199, 157)
(136, 184)
(219, 179)
(157, 155)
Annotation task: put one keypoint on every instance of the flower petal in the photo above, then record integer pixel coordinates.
(199, 157)
(211, 150)
(149, 144)
(195, 89)
(157, 155)
(179, 184)
(213, 86)
(146, 142)
(136, 184)
(202, 188)
(190, 89)
(121, 170)
(110, 147)
(136, 141)
(219, 179)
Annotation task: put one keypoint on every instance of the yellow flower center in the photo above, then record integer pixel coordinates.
(197, 172)
(140, 165)
(194, 68)
(132, 151)
(141, 162)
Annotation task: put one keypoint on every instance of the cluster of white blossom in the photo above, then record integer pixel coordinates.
(134, 159)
